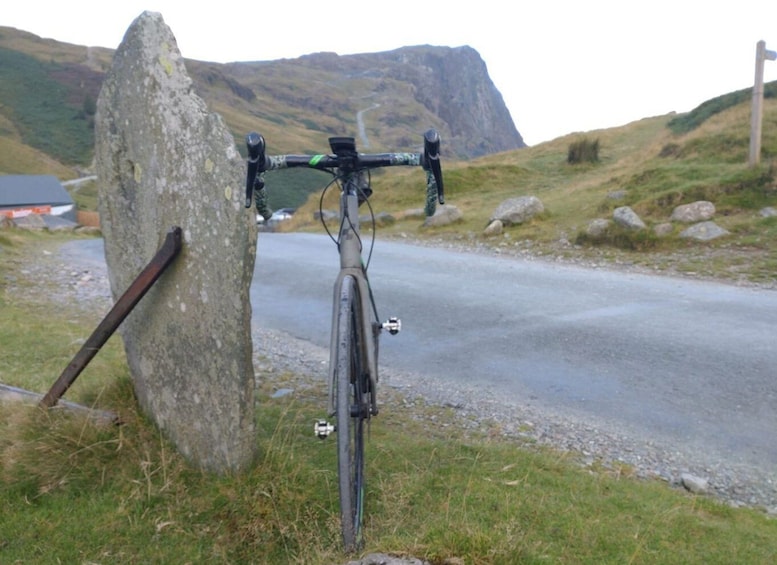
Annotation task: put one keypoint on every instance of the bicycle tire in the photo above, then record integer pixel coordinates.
(352, 409)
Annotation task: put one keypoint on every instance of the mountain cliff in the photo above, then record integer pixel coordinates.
(396, 94)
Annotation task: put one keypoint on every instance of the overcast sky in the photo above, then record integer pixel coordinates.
(561, 66)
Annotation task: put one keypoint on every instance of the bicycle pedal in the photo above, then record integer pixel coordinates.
(323, 428)
(394, 325)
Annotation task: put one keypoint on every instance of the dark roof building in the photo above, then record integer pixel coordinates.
(21, 195)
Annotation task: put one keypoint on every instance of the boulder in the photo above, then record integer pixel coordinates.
(32, 222)
(694, 484)
(597, 228)
(626, 217)
(768, 212)
(704, 231)
(517, 210)
(699, 211)
(444, 215)
(59, 223)
(496, 227)
(164, 160)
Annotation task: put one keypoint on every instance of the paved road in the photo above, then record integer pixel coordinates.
(679, 360)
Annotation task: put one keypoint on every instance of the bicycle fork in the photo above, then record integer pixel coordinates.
(323, 428)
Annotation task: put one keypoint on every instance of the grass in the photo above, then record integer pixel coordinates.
(47, 113)
(76, 491)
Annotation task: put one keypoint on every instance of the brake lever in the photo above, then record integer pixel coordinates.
(432, 160)
(256, 164)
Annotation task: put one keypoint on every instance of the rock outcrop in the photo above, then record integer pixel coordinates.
(453, 82)
(164, 160)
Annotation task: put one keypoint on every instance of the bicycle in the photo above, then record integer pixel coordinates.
(353, 352)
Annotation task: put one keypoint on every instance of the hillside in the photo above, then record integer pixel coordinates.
(48, 91)
(652, 165)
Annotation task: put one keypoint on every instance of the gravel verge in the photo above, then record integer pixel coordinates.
(287, 365)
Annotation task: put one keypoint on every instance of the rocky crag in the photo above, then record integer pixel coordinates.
(404, 91)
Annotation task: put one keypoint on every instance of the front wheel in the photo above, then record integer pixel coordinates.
(352, 410)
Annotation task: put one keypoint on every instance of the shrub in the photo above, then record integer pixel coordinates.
(583, 151)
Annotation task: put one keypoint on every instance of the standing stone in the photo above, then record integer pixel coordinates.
(164, 160)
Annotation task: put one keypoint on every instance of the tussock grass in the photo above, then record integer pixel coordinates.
(122, 494)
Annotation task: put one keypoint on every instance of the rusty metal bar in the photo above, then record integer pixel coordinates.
(164, 256)
(19, 395)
